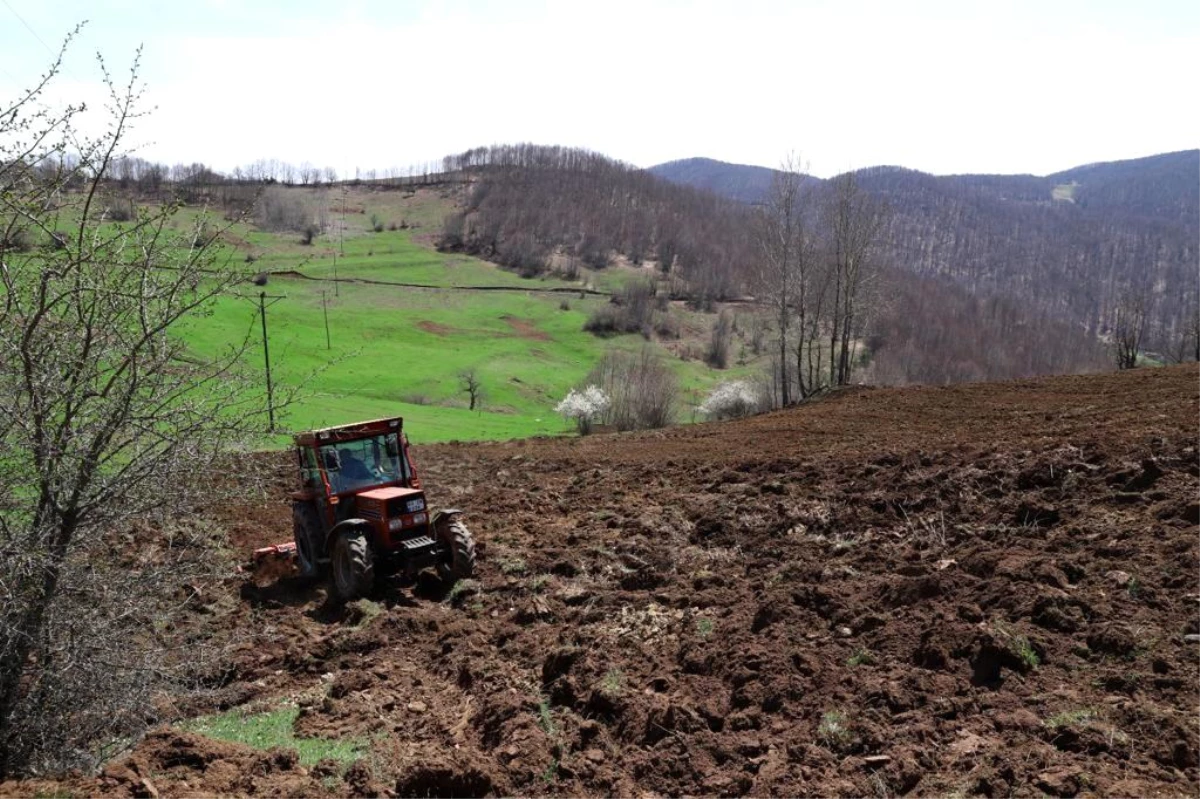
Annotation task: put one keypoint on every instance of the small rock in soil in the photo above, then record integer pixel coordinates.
(1117, 576)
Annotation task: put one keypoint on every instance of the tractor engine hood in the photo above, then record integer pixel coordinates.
(391, 492)
(395, 509)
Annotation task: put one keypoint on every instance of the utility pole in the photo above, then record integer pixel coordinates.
(262, 310)
(325, 308)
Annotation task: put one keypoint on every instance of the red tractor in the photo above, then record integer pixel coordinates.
(361, 510)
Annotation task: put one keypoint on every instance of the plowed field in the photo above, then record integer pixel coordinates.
(984, 590)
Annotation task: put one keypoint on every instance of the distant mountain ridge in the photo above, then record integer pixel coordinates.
(741, 182)
(1073, 245)
(1166, 184)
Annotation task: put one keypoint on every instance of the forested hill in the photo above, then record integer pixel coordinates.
(747, 184)
(1165, 186)
(538, 208)
(1076, 245)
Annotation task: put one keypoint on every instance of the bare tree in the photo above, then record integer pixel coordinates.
(1129, 327)
(854, 222)
(104, 420)
(469, 384)
(309, 174)
(1193, 335)
(781, 279)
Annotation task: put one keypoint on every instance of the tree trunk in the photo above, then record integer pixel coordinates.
(22, 637)
(785, 398)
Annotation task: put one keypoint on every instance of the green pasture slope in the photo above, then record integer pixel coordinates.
(398, 350)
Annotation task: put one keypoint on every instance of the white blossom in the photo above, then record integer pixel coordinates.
(731, 400)
(584, 406)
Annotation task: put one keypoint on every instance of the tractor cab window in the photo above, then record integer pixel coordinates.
(353, 465)
(310, 475)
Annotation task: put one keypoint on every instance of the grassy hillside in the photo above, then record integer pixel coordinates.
(399, 349)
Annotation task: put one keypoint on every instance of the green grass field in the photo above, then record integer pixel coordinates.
(398, 350)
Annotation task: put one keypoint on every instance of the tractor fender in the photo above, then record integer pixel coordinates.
(444, 513)
(344, 525)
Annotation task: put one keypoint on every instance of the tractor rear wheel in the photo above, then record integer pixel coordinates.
(353, 564)
(458, 562)
(306, 531)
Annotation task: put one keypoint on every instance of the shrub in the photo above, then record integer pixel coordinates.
(583, 406)
(632, 310)
(118, 212)
(717, 355)
(453, 227)
(666, 326)
(280, 210)
(605, 321)
(643, 389)
(524, 255)
(731, 401)
(17, 241)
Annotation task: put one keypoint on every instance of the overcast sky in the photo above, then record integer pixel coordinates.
(945, 87)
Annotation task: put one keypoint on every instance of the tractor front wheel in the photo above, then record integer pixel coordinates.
(458, 560)
(353, 565)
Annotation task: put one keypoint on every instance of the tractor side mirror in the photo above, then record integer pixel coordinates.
(333, 460)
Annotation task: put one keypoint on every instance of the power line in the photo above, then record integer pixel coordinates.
(11, 76)
(27, 27)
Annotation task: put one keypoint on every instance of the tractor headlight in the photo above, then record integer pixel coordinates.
(395, 524)
(420, 518)
(414, 505)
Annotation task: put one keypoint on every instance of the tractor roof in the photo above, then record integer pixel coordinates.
(349, 432)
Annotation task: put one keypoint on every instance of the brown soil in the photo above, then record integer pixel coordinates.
(435, 328)
(979, 590)
(525, 328)
(522, 328)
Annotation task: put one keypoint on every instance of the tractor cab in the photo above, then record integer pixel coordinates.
(339, 463)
